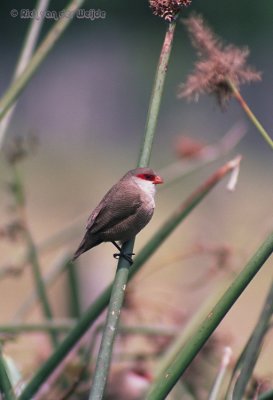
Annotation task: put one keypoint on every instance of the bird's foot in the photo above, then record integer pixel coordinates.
(126, 256)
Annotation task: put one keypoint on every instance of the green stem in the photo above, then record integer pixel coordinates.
(102, 301)
(26, 53)
(110, 329)
(73, 290)
(266, 395)
(250, 114)
(47, 44)
(167, 380)
(122, 274)
(56, 270)
(156, 97)
(38, 279)
(253, 348)
(47, 326)
(5, 385)
(32, 251)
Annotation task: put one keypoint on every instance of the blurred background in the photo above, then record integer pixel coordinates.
(87, 107)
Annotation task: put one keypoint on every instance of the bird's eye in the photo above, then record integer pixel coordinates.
(149, 177)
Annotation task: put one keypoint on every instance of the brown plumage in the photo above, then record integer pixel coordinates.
(125, 209)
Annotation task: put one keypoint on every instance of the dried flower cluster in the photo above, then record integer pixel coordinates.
(188, 148)
(217, 64)
(20, 147)
(12, 231)
(168, 9)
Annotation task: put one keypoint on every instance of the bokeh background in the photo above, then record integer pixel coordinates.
(87, 105)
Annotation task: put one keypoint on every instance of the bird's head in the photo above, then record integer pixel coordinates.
(145, 178)
(146, 174)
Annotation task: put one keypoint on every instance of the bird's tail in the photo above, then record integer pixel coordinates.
(81, 249)
(86, 244)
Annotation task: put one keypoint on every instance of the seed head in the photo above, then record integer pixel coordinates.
(217, 65)
(168, 9)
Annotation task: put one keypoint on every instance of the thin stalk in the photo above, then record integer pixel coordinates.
(26, 53)
(167, 380)
(32, 251)
(102, 301)
(6, 389)
(73, 290)
(47, 326)
(266, 395)
(122, 274)
(110, 329)
(59, 266)
(156, 96)
(38, 279)
(47, 44)
(250, 114)
(215, 391)
(253, 348)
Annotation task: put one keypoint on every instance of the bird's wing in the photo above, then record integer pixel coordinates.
(117, 205)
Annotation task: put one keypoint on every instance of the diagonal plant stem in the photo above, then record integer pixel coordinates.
(170, 376)
(249, 113)
(5, 385)
(102, 301)
(122, 274)
(253, 348)
(266, 395)
(26, 53)
(47, 44)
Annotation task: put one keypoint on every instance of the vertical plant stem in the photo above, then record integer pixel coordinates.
(122, 274)
(73, 290)
(6, 390)
(253, 348)
(156, 96)
(32, 251)
(216, 388)
(167, 380)
(26, 53)
(102, 301)
(59, 266)
(110, 329)
(38, 279)
(47, 44)
(250, 114)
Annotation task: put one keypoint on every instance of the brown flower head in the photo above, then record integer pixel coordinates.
(20, 147)
(217, 65)
(168, 9)
(188, 148)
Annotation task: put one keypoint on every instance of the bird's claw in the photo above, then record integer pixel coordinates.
(127, 256)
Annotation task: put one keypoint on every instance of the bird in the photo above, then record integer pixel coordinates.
(123, 212)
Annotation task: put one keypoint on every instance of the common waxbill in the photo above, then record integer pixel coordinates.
(125, 209)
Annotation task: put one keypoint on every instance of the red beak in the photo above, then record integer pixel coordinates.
(158, 179)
